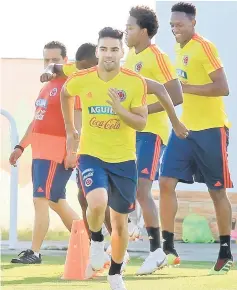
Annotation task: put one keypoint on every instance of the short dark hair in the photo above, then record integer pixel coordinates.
(110, 32)
(187, 8)
(57, 44)
(146, 18)
(85, 51)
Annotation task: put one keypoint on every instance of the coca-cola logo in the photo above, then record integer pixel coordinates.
(111, 124)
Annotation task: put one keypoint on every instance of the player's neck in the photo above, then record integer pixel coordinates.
(187, 41)
(107, 76)
(142, 46)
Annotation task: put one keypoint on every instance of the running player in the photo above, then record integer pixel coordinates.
(151, 62)
(204, 153)
(113, 107)
(46, 134)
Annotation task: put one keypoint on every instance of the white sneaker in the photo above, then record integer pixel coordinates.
(97, 257)
(125, 260)
(156, 260)
(116, 282)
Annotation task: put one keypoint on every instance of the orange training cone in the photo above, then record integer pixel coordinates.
(78, 253)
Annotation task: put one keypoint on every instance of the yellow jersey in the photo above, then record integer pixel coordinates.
(69, 68)
(104, 135)
(194, 62)
(154, 64)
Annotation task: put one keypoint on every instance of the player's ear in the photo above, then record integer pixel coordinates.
(194, 22)
(65, 59)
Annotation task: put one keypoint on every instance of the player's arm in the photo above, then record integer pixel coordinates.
(160, 91)
(164, 72)
(218, 85)
(60, 70)
(137, 117)
(67, 105)
(25, 141)
(77, 114)
(174, 90)
(217, 88)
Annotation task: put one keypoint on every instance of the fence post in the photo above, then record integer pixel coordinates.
(13, 183)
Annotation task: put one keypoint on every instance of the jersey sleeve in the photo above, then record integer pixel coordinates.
(73, 85)
(140, 93)
(69, 69)
(162, 69)
(210, 58)
(77, 104)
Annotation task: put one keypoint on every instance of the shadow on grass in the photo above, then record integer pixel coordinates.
(103, 279)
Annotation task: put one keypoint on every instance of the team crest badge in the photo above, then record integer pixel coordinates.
(138, 67)
(53, 92)
(185, 60)
(122, 95)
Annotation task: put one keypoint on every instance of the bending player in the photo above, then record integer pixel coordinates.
(107, 145)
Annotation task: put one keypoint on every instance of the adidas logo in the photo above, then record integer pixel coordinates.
(218, 183)
(145, 171)
(40, 189)
(225, 245)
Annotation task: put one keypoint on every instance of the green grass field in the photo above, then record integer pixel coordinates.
(188, 276)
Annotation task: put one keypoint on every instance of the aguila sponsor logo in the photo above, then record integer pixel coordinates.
(111, 124)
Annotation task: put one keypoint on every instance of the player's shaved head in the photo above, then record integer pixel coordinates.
(183, 21)
(85, 56)
(188, 8)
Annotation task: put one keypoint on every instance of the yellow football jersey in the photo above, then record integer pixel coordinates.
(153, 64)
(104, 134)
(69, 68)
(194, 62)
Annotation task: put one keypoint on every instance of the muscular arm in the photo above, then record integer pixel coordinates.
(174, 89)
(135, 119)
(78, 120)
(160, 91)
(67, 105)
(218, 88)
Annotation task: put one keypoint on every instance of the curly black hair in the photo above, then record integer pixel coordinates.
(110, 32)
(185, 7)
(57, 44)
(85, 51)
(146, 18)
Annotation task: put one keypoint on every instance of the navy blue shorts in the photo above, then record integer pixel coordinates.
(119, 179)
(149, 151)
(202, 157)
(49, 179)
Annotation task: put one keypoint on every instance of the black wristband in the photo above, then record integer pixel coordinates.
(19, 147)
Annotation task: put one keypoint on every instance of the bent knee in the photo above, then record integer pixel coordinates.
(167, 185)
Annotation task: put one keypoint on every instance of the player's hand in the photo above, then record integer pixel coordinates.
(114, 100)
(16, 154)
(70, 160)
(48, 74)
(180, 130)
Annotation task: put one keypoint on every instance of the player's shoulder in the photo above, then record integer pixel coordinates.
(156, 50)
(202, 43)
(135, 77)
(83, 73)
